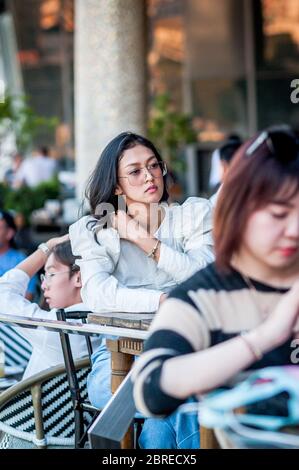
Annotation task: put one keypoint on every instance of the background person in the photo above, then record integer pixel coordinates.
(9, 255)
(224, 156)
(10, 175)
(36, 169)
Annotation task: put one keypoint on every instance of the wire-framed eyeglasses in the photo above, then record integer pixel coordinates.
(48, 277)
(136, 177)
(281, 143)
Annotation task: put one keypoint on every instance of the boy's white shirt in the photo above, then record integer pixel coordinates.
(46, 346)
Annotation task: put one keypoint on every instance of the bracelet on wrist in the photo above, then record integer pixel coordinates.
(255, 350)
(44, 248)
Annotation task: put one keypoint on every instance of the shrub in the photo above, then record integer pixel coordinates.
(25, 200)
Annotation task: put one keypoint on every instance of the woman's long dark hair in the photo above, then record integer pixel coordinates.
(102, 183)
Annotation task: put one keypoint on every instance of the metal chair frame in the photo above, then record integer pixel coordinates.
(79, 405)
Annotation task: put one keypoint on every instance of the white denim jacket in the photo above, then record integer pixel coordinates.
(46, 346)
(118, 276)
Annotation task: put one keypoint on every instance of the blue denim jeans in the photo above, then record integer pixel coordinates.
(99, 379)
(177, 431)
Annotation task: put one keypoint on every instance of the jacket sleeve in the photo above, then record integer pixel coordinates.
(101, 291)
(177, 329)
(192, 225)
(13, 287)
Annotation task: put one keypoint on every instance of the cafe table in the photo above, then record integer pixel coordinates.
(126, 333)
(125, 346)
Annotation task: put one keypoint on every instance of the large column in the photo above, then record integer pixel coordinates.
(110, 83)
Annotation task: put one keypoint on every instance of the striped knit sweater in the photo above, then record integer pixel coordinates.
(205, 310)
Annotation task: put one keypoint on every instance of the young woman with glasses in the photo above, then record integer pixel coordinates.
(135, 248)
(243, 310)
(61, 285)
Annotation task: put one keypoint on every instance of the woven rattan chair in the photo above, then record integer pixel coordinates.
(38, 412)
(17, 349)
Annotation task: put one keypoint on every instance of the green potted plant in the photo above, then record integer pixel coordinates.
(25, 200)
(17, 117)
(171, 131)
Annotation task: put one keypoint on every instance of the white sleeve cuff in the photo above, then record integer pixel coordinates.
(17, 280)
(138, 300)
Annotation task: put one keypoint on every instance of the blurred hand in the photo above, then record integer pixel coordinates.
(280, 325)
(127, 227)
(56, 240)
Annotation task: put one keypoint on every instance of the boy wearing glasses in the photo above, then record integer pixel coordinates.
(61, 285)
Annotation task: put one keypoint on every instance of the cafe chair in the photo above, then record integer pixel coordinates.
(38, 412)
(80, 403)
(119, 427)
(17, 349)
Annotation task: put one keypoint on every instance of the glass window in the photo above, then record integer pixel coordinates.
(44, 31)
(216, 67)
(166, 48)
(277, 60)
(278, 35)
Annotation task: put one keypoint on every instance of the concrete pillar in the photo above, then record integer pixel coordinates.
(110, 76)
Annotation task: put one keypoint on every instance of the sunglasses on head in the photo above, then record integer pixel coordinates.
(281, 143)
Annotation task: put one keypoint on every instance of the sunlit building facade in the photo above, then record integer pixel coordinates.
(229, 63)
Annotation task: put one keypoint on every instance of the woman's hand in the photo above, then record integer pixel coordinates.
(280, 324)
(130, 229)
(127, 227)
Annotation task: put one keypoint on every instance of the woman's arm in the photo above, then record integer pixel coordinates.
(101, 291)
(236, 354)
(208, 369)
(178, 362)
(194, 227)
